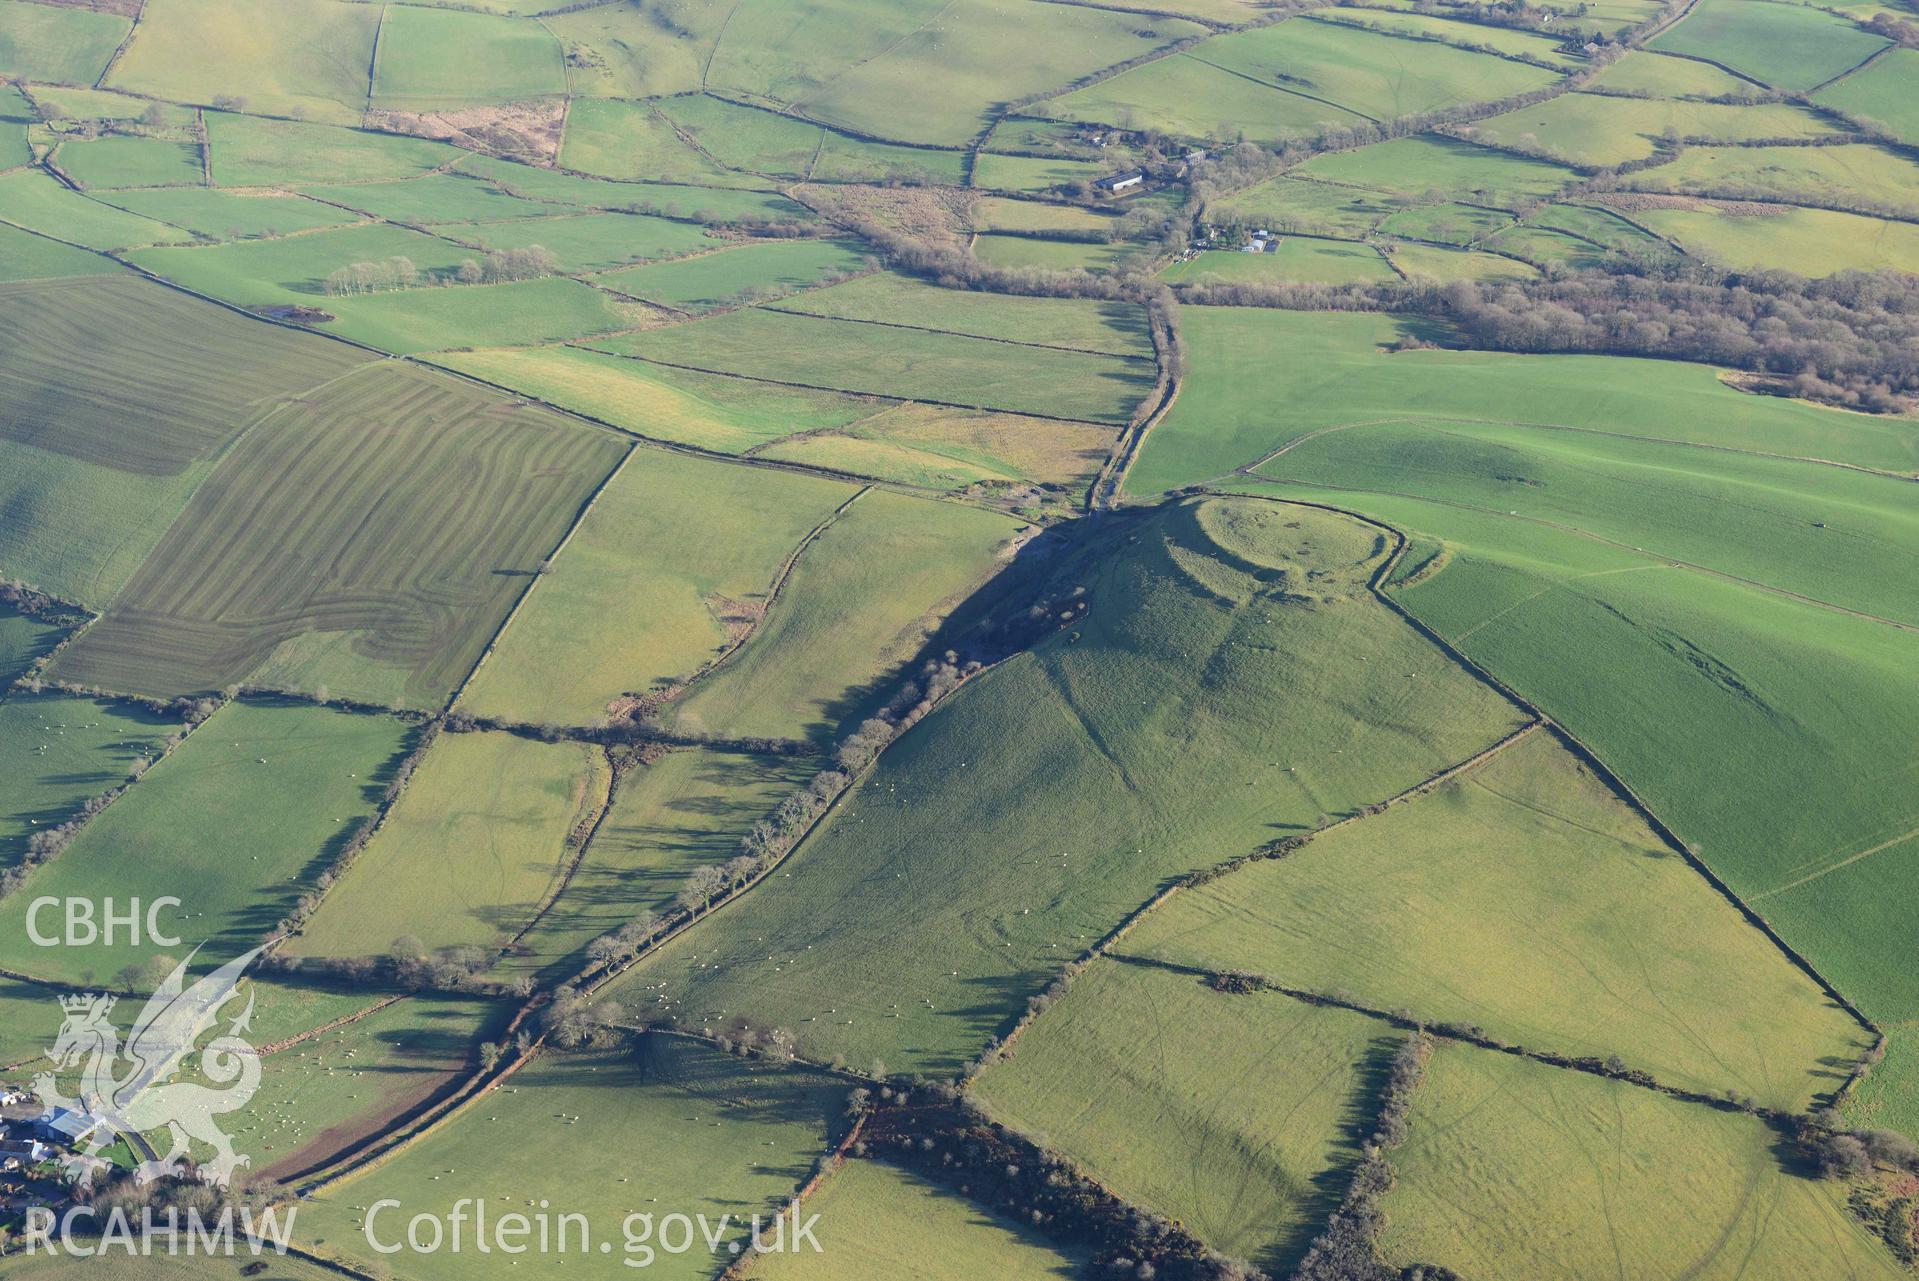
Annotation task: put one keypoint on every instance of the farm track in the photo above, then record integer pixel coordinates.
(1104, 492)
(773, 592)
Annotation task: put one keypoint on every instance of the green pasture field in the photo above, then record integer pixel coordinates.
(847, 159)
(92, 104)
(1048, 255)
(285, 1008)
(1881, 93)
(1542, 245)
(30, 1018)
(1664, 76)
(122, 161)
(1595, 129)
(617, 139)
(1332, 262)
(77, 528)
(251, 152)
(1446, 265)
(686, 810)
(1427, 165)
(23, 639)
(229, 215)
(1010, 829)
(158, 1266)
(1888, 1098)
(310, 61)
(774, 143)
(992, 172)
(323, 1095)
(1017, 250)
(1523, 897)
(1823, 533)
(452, 197)
(1787, 46)
(383, 580)
(16, 115)
(1480, 37)
(1514, 1169)
(1783, 764)
(25, 256)
(1238, 402)
(443, 59)
(1854, 176)
(235, 839)
(1371, 74)
(942, 82)
(621, 51)
(39, 202)
(57, 752)
(1451, 224)
(709, 411)
(633, 603)
(1603, 227)
(1287, 203)
(1190, 95)
(1227, 11)
(474, 847)
(42, 42)
(292, 271)
(874, 1218)
(998, 213)
(590, 241)
(702, 204)
(833, 57)
(702, 1133)
(1811, 242)
(946, 448)
(844, 355)
(745, 273)
(81, 359)
(747, 138)
(860, 602)
(775, 52)
(1041, 137)
(1115, 328)
(917, 444)
(407, 321)
(1246, 1145)
(1603, 15)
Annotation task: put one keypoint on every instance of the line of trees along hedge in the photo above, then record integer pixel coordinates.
(1850, 339)
(1346, 1250)
(946, 1139)
(496, 267)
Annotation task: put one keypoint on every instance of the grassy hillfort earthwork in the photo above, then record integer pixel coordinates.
(858, 640)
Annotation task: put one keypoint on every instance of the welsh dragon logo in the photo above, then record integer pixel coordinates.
(143, 1099)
